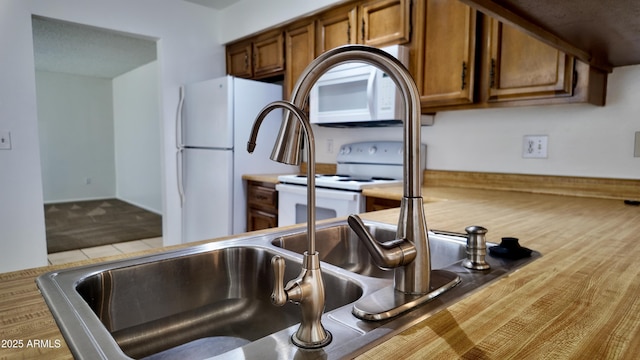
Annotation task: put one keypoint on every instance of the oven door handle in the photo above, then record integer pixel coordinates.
(320, 192)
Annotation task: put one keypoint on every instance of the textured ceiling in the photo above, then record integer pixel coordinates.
(605, 33)
(84, 50)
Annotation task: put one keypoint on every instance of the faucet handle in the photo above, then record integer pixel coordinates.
(278, 296)
(390, 254)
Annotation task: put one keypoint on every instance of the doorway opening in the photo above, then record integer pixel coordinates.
(100, 137)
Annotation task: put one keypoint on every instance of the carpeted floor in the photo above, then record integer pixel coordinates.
(82, 224)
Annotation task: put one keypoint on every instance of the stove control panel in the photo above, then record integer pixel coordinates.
(372, 152)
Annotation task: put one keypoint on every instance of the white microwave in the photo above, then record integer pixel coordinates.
(357, 94)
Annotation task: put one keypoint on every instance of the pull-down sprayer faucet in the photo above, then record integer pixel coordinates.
(413, 273)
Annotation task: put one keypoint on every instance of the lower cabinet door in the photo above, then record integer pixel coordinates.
(259, 220)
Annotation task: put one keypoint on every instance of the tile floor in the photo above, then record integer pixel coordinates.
(105, 250)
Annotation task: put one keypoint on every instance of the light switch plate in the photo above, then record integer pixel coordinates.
(636, 152)
(5, 140)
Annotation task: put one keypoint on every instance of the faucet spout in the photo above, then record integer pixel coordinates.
(307, 289)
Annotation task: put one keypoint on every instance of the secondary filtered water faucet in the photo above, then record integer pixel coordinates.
(307, 289)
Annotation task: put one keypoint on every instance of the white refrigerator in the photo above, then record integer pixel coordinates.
(214, 121)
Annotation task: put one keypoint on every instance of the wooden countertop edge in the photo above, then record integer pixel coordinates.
(598, 187)
(606, 188)
(267, 178)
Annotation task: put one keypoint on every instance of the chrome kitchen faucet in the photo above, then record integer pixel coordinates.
(307, 289)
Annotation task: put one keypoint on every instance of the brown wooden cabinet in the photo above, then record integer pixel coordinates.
(385, 22)
(239, 59)
(375, 203)
(268, 55)
(336, 27)
(256, 58)
(463, 59)
(262, 205)
(521, 67)
(460, 58)
(259, 220)
(446, 68)
(374, 22)
(300, 51)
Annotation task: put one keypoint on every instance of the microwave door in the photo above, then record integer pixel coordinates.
(342, 95)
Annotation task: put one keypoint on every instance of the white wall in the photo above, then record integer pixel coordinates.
(22, 239)
(188, 51)
(584, 140)
(247, 17)
(137, 137)
(75, 125)
(100, 138)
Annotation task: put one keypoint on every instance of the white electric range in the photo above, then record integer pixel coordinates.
(359, 166)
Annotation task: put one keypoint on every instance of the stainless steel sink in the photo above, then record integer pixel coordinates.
(340, 246)
(155, 306)
(212, 300)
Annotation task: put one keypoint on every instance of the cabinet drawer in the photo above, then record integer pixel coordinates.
(259, 220)
(263, 197)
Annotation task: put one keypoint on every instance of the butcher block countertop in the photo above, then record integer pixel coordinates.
(580, 300)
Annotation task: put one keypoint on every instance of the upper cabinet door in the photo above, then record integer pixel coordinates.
(521, 67)
(385, 22)
(239, 59)
(336, 28)
(268, 55)
(299, 53)
(446, 60)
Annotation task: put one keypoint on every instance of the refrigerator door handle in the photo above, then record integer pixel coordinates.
(180, 175)
(180, 147)
(179, 144)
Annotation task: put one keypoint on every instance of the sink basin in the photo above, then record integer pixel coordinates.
(213, 300)
(339, 245)
(219, 299)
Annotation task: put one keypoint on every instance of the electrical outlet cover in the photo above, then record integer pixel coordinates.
(535, 146)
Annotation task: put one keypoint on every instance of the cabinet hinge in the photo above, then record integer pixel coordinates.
(349, 32)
